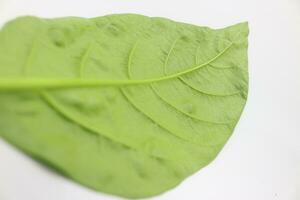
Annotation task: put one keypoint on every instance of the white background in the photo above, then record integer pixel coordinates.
(262, 159)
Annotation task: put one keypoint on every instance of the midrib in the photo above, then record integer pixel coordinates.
(36, 83)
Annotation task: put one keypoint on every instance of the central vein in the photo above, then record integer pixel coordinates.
(35, 83)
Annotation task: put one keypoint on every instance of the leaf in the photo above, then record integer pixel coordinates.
(125, 104)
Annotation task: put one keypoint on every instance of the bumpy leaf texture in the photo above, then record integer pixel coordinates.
(125, 104)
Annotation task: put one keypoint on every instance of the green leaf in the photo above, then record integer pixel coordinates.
(125, 104)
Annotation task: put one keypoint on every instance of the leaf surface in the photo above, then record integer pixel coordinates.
(124, 104)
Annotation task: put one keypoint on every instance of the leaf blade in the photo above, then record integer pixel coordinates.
(128, 102)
